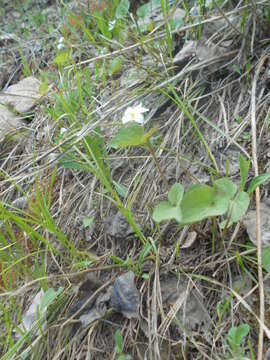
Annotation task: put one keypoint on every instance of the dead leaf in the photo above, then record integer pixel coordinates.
(30, 316)
(190, 312)
(189, 240)
(125, 296)
(97, 310)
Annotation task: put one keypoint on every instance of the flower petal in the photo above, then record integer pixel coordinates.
(141, 109)
(139, 119)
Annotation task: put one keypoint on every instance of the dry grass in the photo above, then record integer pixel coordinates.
(227, 110)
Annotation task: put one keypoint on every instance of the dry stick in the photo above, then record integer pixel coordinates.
(258, 218)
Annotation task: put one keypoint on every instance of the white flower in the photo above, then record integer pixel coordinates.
(63, 130)
(134, 114)
(60, 44)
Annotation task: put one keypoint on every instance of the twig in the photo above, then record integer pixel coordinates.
(258, 217)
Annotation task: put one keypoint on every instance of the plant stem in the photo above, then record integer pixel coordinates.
(163, 177)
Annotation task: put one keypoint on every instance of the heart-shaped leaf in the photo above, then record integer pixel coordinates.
(203, 201)
(176, 193)
(130, 135)
(165, 211)
(227, 186)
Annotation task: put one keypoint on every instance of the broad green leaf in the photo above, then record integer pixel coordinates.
(236, 335)
(201, 202)
(237, 209)
(266, 258)
(176, 193)
(165, 211)
(227, 186)
(244, 168)
(130, 135)
(240, 206)
(122, 9)
(115, 66)
(257, 181)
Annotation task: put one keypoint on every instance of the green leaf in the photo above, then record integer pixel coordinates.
(227, 186)
(62, 58)
(165, 211)
(118, 339)
(236, 335)
(238, 209)
(70, 162)
(49, 296)
(122, 9)
(88, 221)
(201, 202)
(176, 193)
(115, 66)
(266, 258)
(244, 168)
(121, 189)
(143, 11)
(257, 181)
(148, 135)
(240, 206)
(130, 135)
(175, 23)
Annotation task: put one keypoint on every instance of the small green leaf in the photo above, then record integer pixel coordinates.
(236, 335)
(122, 9)
(88, 221)
(257, 181)
(175, 23)
(143, 11)
(148, 135)
(266, 258)
(244, 168)
(130, 135)
(176, 193)
(49, 296)
(121, 189)
(165, 211)
(227, 186)
(118, 339)
(115, 66)
(62, 58)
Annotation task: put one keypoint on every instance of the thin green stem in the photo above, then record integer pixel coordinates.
(163, 177)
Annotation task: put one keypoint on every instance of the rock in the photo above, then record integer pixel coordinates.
(117, 226)
(8, 122)
(125, 296)
(23, 95)
(250, 224)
